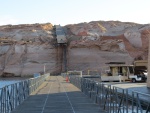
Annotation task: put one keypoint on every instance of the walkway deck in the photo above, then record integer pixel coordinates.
(57, 96)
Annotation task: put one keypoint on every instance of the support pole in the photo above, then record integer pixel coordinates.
(148, 76)
(65, 57)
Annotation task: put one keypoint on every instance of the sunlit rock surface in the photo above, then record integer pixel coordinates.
(25, 49)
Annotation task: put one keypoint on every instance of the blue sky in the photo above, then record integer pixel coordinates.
(73, 11)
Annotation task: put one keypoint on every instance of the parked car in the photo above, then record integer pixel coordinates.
(141, 77)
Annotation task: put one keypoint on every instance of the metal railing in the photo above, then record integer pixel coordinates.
(112, 99)
(13, 95)
(140, 105)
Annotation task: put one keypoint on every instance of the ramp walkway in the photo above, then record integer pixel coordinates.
(56, 95)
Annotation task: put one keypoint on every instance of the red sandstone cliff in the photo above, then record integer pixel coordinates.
(95, 43)
(25, 49)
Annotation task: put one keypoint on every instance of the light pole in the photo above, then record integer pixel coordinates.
(44, 68)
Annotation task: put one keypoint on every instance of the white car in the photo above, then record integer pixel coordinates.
(139, 77)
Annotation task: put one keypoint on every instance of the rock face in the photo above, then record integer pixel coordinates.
(94, 44)
(25, 49)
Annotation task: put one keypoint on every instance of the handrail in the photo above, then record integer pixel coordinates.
(140, 105)
(112, 99)
(14, 94)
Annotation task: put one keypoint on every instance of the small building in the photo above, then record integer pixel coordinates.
(60, 35)
(121, 70)
(141, 63)
(116, 71)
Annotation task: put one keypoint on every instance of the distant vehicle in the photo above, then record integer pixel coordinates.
(140, 71)
(119, 71)
(142, 77)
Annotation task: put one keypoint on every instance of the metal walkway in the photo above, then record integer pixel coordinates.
(57, 96)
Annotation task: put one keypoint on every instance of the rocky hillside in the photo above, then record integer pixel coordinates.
(112, 36)
(94, 44)
(25, 49)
